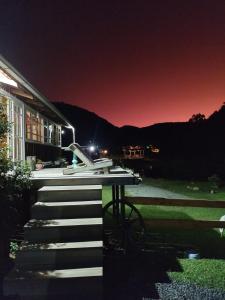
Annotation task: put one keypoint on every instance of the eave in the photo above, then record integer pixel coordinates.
(31, 96)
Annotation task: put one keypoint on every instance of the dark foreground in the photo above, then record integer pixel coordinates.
(144, 277)
(141, 277)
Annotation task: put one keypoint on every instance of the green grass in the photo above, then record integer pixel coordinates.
(209, 271)
(172, 212)
(192, 213)
(208, 241)
(180, 186)
(106, 194)
(204, 272)
(176, 212)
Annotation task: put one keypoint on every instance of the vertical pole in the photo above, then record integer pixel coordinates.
(12, 131)
(122, 194)
(23, 132)
(74, 161)
(117, 195)
(114, 199)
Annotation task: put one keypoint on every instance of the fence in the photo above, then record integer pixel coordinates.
(181, 223)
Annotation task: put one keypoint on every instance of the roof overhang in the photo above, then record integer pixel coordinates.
(31, 96)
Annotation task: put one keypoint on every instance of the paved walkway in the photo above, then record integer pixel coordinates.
(145, 190)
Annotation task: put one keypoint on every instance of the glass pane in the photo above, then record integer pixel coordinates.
(28, 125)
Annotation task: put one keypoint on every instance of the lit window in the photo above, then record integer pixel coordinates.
(41, 130)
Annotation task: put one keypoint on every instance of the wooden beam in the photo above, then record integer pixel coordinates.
(175, 202)
(181, 223)
(22, 93)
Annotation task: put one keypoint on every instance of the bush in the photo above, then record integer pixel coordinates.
(14, 184)
(215, 182)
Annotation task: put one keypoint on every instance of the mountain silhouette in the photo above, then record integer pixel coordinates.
(187, 149)
(90, 128)
(174, 138)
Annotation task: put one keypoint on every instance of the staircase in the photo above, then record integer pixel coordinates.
(61, 256)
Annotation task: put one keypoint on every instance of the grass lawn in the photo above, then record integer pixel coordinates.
(208, 271)
(106, 194)
(203, 272)
(180, 186)
(183, 212)
(208, 241)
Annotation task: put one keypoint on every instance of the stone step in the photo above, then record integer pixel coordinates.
(66, 210)
(60, 255)
(63, 230)
(84, 283)
(69, 193)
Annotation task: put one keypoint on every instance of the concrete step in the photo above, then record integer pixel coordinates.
(70, 193)
(60, 255)
(66, 210)
(64, 230)
(84, 283)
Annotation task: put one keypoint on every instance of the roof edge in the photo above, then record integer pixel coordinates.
(24, 82)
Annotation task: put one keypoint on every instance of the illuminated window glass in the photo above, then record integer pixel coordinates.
(42, 130)
(28, 125)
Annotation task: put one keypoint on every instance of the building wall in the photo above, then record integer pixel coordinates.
(42, 152)
(32, 134)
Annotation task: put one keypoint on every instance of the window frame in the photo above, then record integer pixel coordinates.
(41, 126)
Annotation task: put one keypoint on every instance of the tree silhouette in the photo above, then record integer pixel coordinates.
(197, 118)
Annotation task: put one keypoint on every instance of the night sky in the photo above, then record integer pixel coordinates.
(131, 62)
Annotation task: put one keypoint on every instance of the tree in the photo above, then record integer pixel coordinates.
(197, 118)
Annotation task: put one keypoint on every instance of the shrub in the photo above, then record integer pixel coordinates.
(215, 182)
(14, 184)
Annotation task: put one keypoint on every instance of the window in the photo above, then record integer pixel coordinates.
(28, 125)
(14, 140)
(4, 107)
(18, 131)
(42, 130)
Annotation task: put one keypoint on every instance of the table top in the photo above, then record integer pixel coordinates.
(55, 176)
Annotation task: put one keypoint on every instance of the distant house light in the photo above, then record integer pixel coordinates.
(103, 152)
(155, 150)
(133, 152)
(4, 78)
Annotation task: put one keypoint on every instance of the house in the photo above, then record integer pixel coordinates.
(36, 124)
(133, 152)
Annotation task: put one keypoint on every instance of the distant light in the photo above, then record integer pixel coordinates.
(104, 151)
(155, 150)
(63, 131)
(6, 79)
(92, 148)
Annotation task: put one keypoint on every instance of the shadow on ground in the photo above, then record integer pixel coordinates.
(5, 267)
(134, 277)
